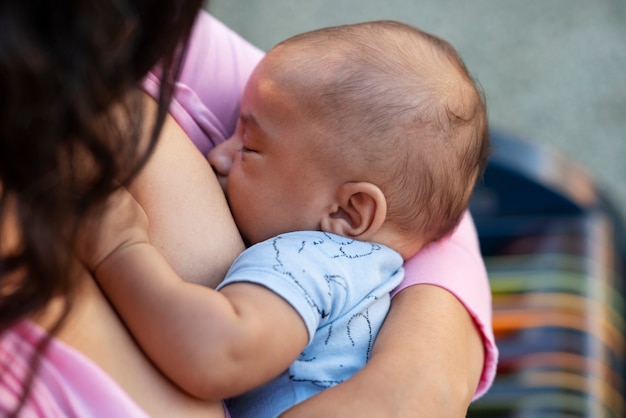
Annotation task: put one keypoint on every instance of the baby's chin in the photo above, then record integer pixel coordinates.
(246, 242)
(248, 239)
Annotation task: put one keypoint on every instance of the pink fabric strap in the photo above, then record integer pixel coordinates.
(66, 384)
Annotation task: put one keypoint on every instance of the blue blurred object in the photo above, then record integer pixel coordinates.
(555, 254)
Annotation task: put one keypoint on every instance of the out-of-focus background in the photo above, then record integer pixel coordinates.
(554, 71)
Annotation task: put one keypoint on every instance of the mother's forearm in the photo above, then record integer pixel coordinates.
(426, 362)
(431, 342)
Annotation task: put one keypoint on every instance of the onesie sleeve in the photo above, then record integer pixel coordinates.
(279, 264)
(217, 65)
(324, 277)
(455, 264)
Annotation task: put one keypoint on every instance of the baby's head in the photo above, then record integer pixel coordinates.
(374, 131)
(399, 110)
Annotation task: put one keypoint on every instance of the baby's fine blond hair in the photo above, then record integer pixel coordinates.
(400, 110)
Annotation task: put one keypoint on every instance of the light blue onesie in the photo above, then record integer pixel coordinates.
(340, 287)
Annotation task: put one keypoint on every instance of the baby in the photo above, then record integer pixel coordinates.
(356, 146)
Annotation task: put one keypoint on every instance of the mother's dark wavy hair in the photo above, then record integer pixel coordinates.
(64, 65)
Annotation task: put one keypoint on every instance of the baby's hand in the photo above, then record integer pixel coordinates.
(120, 224)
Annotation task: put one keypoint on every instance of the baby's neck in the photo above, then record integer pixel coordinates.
(407, 247)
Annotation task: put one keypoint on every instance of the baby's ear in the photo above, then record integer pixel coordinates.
(359, 211)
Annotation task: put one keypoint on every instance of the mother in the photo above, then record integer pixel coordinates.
(73, 124)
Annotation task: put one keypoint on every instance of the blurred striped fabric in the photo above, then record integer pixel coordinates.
(554, 250)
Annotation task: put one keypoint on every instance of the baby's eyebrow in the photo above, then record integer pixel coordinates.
(250, 120)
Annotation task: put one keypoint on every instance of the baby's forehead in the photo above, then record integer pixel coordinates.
(297, 70)
(382, 49)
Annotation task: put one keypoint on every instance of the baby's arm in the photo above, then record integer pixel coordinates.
(212, 344)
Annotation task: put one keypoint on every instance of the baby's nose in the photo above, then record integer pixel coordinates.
(221, 159)
(222, 156)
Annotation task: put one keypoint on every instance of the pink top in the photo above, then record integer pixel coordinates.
(67, 383)
(206, 106)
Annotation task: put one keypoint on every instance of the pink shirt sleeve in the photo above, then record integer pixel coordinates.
(455, 264)
(208, 92)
